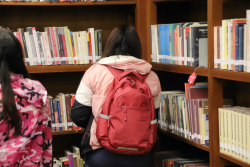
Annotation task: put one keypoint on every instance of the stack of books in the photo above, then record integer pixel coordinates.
(186, 113)
(180, 44)
(60, 108)
(60, 46)
(231, 41)
(234, 132)
(71, 159)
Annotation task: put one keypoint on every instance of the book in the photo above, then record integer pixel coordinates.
(69, 155)
(76, 152)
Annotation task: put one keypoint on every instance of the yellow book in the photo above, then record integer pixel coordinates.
(225, 130)
(220, 129)
(233, 121)
(248, 137)
(224, 26)
(70, 44)
(244, 135)
(229, 137)
(202, 141)
(240, 122)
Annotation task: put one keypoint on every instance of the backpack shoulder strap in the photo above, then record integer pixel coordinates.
(114, 71)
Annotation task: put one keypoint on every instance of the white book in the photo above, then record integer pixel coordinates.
(30, 55)
(245, 48)
(64, 110)
(85, 47)
(36, 46)
(80, 47)
(92, 32)
(215, 47)
(230, 44)
(76, 47)
(46, 48)
(44, 59)
(153, 43)
(185, 48)
(221, 49)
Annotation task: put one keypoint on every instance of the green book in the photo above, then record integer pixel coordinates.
(96, 44)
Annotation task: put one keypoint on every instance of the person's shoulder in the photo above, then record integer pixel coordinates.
(97, 69)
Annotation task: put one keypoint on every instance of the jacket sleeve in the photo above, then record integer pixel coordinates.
(80, 114)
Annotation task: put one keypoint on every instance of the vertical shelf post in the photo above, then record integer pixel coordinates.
(215, 86)
(145, 15)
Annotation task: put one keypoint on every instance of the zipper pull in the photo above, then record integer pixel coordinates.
(125, 111)
(151, 136)
(109, 119)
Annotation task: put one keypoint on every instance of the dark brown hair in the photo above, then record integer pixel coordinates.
(123, 40)
(11, 60)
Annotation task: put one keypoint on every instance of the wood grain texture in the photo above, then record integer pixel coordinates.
(231, 75)
(234, 160)
(179, 69)
(58, 68)
(67, 132)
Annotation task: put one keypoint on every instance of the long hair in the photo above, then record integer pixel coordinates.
(123, 40)
(11, 60)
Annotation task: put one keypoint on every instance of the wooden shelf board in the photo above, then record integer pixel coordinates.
(58, 68)
(179, 69)
(231, 75)
(203, 147)
(234, 160)
(156, 1)
(66, 132)
(68, 3)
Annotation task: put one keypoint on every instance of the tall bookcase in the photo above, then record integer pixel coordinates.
(141, 14)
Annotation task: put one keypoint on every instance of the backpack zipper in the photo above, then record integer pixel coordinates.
(125, 112)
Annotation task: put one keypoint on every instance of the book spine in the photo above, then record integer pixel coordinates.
(36, 46)
(30, 61)
(40, 47)
(54, 42)
(221, 49)
(80, 47)
(73, 48)
(85, 47)
(76, 47)
(237, 47)
(248, 40)
(52, 114)
(48, 30)
(64, 46)
(241, 48)
(46, 48)
(96, 45)
(99, 33)
(56, 115)
(58, 46)
(68, 109)
(70, 46)
(32, 46)
(225, 44)
(245, 48)
(218, 47)
(215, 47)
(25, 46)
(59, 114)
(90, 48)
(66, 34)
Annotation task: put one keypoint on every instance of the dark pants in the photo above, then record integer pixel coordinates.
(105, 158)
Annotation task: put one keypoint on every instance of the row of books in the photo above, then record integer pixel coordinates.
(179, 43)
(231, 44)
(186, 113)
(70, 159)
(178, 159)
(234, 132)
(60, 108)
(60, 46)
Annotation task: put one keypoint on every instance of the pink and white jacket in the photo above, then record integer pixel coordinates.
(33, 148)
(93, 88)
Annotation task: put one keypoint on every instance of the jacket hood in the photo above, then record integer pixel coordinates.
(127, 63)
(31, 91)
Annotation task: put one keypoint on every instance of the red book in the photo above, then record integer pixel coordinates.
(169, 163)
(90, 46)
(64, 47)
(54, 45)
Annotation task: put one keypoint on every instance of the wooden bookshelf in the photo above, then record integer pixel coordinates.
(231, 75)
(234, 160)
(67, 132)
(179, 69)
(156, 1)
(131, 2)
(203, 147)
(58, 68)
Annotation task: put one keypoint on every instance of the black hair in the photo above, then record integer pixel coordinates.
(123, 40)
(11, 60)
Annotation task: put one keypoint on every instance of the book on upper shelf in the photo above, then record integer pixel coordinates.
(179, 43)
(59, 46)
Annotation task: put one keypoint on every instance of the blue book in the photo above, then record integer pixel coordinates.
(59, 114)
(241, 48)
(167, 43)
(161, 40)
(237, 57)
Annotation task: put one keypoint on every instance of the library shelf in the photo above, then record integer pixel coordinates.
(203, 147)
(156, 1)
(67, 132)
(58, 68)
(234, 160)
(179, 69)
(231, 75)
(67, 3)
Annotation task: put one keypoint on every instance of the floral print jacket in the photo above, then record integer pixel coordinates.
(33, 147)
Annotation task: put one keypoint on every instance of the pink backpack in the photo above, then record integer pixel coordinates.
(127, 124)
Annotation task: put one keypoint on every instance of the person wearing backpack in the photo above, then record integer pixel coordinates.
(116, 102)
